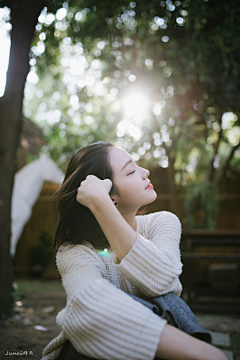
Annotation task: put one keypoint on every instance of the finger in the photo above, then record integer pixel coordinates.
(108, 184)
(90, 176)
(108, 180)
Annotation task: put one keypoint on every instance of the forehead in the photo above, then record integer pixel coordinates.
(118, 158)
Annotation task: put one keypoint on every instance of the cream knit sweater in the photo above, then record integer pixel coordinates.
(100, 319)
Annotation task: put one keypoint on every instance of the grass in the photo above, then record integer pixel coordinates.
(33, 285)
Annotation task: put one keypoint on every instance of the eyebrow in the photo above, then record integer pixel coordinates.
(128, 162)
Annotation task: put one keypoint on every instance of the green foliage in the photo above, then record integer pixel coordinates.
(201, 201)
(184, 57)
(31, 158)
(17, 294)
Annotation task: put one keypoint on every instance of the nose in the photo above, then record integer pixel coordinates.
(146, 173)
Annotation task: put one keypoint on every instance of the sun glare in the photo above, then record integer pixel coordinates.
(136, 106)
(136, 103)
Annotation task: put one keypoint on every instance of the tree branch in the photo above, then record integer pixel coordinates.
(227, 164)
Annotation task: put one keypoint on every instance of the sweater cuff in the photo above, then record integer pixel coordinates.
(150, 270)
(136, 248)
(137, 253)
(150, 337)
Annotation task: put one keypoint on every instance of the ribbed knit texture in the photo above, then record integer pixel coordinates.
(100, 319)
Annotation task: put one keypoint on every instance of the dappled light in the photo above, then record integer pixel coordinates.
(141, 110)
(137, 87)
(159, 79)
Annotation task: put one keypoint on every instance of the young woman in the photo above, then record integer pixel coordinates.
(97, 206)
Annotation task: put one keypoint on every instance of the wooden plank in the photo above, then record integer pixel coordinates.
(191, 256)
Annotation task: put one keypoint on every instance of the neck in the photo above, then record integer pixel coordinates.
(130, 218)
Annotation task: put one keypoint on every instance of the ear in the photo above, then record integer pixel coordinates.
(114, 202)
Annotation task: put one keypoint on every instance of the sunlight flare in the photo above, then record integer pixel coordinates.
(136, 103)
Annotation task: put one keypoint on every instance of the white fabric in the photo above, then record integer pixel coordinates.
(28, 183)
(101, 320)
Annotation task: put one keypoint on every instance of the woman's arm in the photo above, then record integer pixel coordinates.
(177, 345)
(154, 266)
(94, 193)
(119, 233)
(151, 266)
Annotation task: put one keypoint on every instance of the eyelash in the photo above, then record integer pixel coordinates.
(131, 172)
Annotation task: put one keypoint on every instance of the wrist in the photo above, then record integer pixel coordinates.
(100, 202)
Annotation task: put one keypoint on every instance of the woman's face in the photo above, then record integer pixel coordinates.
(131, 181)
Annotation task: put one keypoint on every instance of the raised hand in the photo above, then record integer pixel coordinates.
(92, 190)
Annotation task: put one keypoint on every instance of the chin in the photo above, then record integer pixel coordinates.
(151, 198)
(154, 198)
(154, 194)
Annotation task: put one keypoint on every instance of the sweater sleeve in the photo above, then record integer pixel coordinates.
(153, 265)
(101, 320)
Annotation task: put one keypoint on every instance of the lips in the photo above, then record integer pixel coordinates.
(150, 186)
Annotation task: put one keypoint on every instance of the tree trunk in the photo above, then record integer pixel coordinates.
(24, 15)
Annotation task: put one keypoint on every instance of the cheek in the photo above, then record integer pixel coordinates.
(131, 195)
(130, 189)
(126, 193)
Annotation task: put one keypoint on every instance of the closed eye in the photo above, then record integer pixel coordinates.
(131, 172)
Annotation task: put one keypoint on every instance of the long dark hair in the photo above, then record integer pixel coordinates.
(74, 222)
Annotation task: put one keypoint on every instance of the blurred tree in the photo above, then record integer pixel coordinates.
(24, 17)
(183, 57)
(186, 56)
(23, 27)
